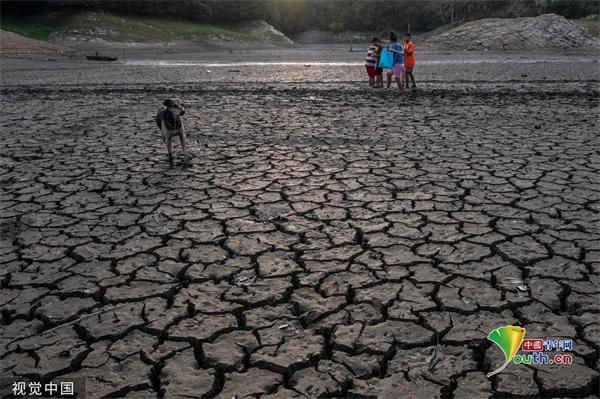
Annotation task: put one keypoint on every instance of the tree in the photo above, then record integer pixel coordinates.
(573, 8)
(336, 26)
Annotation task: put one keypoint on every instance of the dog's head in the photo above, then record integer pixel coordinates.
(175, 106)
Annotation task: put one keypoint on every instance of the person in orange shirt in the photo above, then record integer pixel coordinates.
(409, 60)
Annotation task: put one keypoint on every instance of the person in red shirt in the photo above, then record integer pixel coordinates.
(409, 60)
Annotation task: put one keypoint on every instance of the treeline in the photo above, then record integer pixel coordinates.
(573, 8)
(293, 16)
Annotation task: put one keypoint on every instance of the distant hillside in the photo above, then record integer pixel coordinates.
(590, 26)
(102, 28)
(296, 16)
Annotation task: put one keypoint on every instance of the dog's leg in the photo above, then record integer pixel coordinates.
(163, 130)
(167, 140)
(169, 149)
(186, 158)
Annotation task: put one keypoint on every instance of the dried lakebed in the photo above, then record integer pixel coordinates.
(322, 244)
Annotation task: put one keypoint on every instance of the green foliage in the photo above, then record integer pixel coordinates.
(573, 8)
(336, 26)
(28, 28)
(125, 28)
(292, 16)
(383, 15)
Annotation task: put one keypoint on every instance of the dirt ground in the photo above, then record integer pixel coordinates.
(13, 44)
(330, 240)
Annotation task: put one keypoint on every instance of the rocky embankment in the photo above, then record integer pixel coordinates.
(543, 32)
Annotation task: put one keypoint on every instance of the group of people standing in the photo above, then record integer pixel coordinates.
(401, 67)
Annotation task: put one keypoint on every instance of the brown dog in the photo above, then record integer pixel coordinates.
(168, 119)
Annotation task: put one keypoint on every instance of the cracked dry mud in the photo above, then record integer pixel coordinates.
(322, 244)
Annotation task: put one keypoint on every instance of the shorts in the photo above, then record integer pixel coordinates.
(371, 71)
(378, 71)
(408, 69)
(398, 71)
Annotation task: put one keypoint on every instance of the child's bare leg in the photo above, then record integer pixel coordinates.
(389, 80)
(399, 83)
(412, 77)
(371, 81)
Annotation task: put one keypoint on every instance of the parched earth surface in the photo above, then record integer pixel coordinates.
(328, 241)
